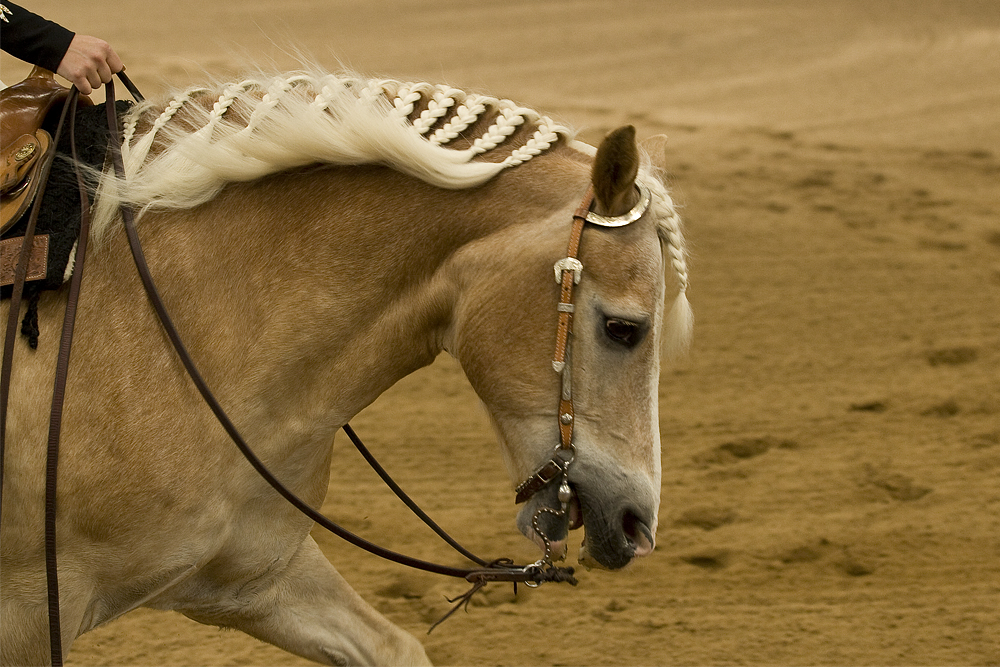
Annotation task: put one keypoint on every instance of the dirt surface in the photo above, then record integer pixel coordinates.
(831, 449)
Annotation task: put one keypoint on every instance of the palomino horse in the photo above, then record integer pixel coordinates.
(316, 238)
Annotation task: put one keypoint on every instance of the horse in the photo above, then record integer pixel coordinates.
(317, 237)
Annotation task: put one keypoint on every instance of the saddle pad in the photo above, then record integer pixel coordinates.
(59, 217)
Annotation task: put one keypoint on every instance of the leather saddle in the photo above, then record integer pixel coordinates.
(24, 146)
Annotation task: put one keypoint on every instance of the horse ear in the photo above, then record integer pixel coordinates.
(615, 167)
(656, 149)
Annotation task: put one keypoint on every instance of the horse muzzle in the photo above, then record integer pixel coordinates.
(616, 529)
(624, 537)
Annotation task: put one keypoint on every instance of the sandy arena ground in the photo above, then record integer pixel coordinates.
(831, 449)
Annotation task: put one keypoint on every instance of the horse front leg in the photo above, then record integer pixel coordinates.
(307, 608)
(24, 620)
(24, 633)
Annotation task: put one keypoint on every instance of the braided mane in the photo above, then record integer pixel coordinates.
(182, 153)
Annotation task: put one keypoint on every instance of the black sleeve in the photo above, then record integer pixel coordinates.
(33, 39)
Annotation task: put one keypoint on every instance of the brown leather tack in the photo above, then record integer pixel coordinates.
(21, 177)
(23, 144)
(38, 260)
(538, 480)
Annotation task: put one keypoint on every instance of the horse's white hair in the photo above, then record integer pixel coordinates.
(264, 125)
(181, 154)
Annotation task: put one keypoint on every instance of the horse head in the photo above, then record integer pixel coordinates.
(505, 331)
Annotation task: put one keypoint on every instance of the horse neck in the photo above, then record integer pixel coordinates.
(320, 287)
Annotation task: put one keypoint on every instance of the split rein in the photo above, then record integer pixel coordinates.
(498, 570)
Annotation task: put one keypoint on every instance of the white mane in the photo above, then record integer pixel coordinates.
(180, 155)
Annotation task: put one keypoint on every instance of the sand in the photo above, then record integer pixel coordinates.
(831, 448)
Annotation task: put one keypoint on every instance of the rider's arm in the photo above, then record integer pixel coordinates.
(31, 38)
(83, 60)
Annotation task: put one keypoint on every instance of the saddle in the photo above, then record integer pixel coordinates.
(25, 146)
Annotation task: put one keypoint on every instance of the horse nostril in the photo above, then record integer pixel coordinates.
(637, 533)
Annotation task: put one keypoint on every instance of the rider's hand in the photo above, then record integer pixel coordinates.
(88, 63)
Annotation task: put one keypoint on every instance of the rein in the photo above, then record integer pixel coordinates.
(62, 365)
(567, 270)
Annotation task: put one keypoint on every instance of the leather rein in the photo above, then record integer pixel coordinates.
(568, 273)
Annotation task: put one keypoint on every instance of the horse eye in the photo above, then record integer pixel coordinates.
(622, 331)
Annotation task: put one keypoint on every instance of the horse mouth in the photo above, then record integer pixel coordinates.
(639, 541)
(613, 536)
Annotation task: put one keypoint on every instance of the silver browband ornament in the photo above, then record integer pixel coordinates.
(626, 218)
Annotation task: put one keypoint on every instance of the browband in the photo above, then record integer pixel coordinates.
(626, 218)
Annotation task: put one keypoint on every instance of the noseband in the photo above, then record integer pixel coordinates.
(568, 272)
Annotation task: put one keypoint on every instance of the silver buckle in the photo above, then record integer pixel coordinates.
(569, 264)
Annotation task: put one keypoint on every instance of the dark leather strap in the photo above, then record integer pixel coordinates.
(130, 87)
(17, 292)
(549, 471)
(402, 495)
(59, 394)
(59, 391)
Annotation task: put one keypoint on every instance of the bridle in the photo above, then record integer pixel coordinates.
(568, 273)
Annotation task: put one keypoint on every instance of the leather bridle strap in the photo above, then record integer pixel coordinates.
(568, 272)
(402, 495)
(570, 277)
(59, 394)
